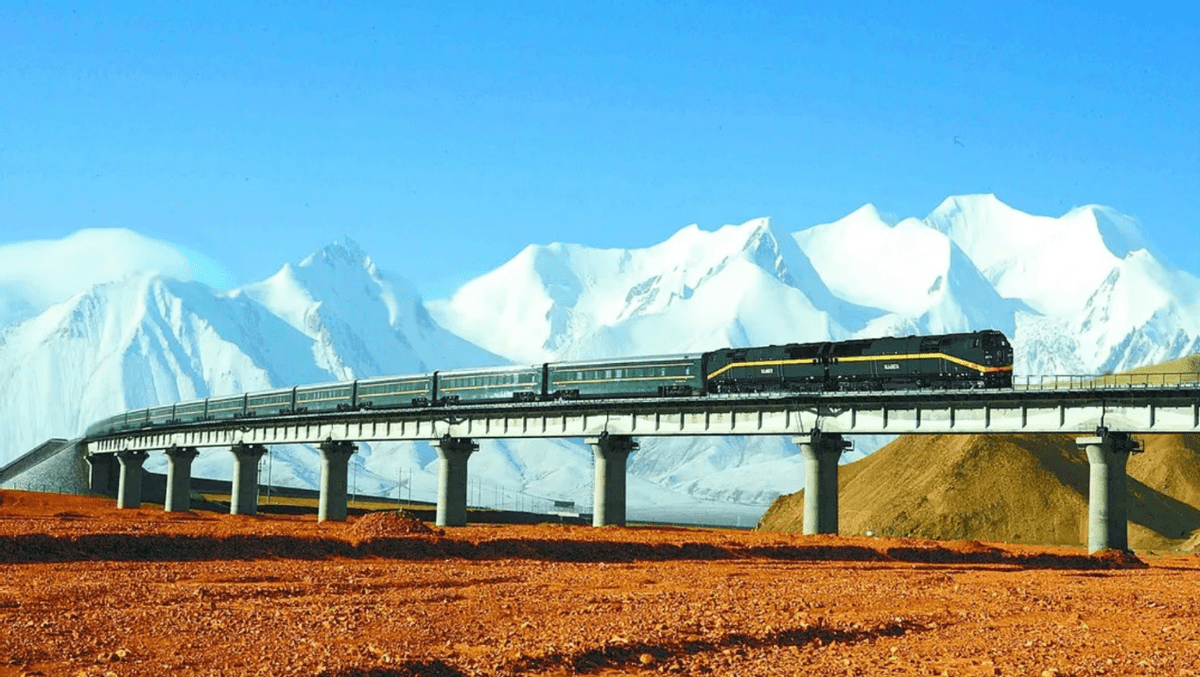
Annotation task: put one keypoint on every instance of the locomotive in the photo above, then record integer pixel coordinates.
(980, 359)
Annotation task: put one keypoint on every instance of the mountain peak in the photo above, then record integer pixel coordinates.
(978, 210)
(1121, 234)
(341, 252)
(868, 213)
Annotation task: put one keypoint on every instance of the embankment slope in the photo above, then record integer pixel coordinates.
(1010, 488)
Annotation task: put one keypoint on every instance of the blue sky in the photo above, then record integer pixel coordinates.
(444, 137)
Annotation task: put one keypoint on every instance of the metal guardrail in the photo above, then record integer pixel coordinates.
(1107, 382)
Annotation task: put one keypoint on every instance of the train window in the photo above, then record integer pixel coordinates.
(617, 372)
(608, 373)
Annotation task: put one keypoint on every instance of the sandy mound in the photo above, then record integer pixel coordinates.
(1011, 488)
(1016, 489)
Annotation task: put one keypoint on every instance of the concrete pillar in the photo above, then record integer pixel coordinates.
(335, 462)
(129, 491)
(611, 453)
(1108, 496)
(821, 453)
(103, 476)
(452, 480)
(243, 496)
(179, 478)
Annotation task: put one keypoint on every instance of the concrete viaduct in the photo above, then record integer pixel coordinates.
(1103, 418)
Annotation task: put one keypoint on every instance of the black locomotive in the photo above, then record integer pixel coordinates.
(976, 360)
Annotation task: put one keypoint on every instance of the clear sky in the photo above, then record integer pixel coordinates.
(445, 136)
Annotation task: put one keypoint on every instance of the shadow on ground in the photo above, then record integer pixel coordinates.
(45, 548)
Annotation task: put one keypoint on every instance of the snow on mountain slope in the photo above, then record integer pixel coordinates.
(132, 343)
(147, 339)
(1053, 264)
(913, 271)
(696, 290)
(1141, 314)
(868, 261)
(37, 274)
(362, 321)
(1080, 293)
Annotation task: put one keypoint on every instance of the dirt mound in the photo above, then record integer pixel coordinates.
(389, 524)
(1011, 488)
(1184, 365)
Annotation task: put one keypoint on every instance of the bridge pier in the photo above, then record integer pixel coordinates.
(129, 491)
(611, 453)
(179, 478)
(1108, 516)
(454, 453)
(335, 463)
(102, 471)
(821, 453)
(243, 495)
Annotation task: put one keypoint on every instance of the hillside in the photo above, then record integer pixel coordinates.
(1012, 488)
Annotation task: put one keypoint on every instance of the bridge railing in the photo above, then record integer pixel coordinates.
(1114, 381)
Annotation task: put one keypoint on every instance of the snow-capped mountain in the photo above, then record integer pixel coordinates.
(361, 321)
(1053, 264)
(1088, 278)
(147, 338)
(917, 274)
(739, 285)
(37, 274)
(1081, 293)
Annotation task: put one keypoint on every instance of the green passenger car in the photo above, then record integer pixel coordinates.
(637, 377)
(160, 415)
(189, 412)
(226, 407)
(325, 397)
(395, 391)
(520, 384)
(270, 403)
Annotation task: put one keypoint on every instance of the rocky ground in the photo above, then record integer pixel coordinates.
(88, 590)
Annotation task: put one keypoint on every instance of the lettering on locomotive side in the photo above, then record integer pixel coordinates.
(890, 366)
(769, 370)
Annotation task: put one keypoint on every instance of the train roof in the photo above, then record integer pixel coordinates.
(635, 360)
(490, 370)
(393, 377)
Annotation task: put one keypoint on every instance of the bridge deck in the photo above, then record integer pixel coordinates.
(1149, 408)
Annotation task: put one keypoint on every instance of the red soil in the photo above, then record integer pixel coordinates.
(87, 589)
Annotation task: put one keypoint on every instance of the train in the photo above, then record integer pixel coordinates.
(981, 359)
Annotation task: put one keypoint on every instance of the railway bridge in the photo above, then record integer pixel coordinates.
(1103, 416)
